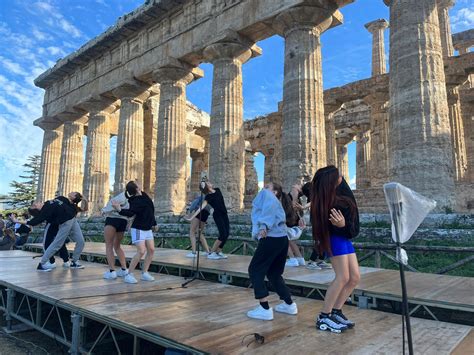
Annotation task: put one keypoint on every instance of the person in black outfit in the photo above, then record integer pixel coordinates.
(143, 226)
(215, 199)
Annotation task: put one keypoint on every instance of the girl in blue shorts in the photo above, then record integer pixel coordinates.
(335, 220)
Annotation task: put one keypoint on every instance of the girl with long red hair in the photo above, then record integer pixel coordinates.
(335, 220)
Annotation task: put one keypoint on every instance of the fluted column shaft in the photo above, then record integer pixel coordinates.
(197, 166)
(378, 46)
(330, 127)
(363, 158)
(97, 165)
(251, 179)
(50, 164)
(445, 27)
(226, 155)
(171, 153)
(343, 159)
(72, 159)
(150, 135)
(130, 143)
(303, 128)
(457, 133)
(420, 134)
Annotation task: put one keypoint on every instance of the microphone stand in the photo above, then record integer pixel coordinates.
(396, 208)
(197, 275)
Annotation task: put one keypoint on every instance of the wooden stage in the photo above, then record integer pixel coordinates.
(203, 318)
(424, 290)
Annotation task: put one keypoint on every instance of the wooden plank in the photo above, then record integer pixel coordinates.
(212, 317)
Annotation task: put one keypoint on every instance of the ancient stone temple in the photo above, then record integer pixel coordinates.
(413, 125)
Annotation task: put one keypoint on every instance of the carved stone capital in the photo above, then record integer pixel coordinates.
(445, 4)
(231, 51)
(177, 71)
(377, 25)
(307, 17)
(95, 105)
(132, 90)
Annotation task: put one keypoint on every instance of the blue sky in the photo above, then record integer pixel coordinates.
(34, 34)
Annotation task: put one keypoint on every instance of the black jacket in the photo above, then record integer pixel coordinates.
(141, 206)
(351, 229)
(55, 211)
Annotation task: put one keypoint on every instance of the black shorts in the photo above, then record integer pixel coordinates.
(203, 215)
(120, 224)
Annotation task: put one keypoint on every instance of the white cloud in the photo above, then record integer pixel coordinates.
(69, 28)
(352, 182)
(11, 66)
(40, 35)
(462, 19)
(55, 51)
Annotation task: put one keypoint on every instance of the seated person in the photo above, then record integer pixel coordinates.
(8, 241)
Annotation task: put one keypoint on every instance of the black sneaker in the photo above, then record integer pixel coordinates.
(341, 318)
(42, 268)
(329, 323)
(76, 265)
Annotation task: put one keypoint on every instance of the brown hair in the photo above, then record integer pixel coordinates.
(278, 189)
(290, 212)
(204, 188)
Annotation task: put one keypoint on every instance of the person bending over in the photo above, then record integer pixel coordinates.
(143, 226)
(115, 226)
(335, 219)
(61, 211)
(215, 199)
(269, 227)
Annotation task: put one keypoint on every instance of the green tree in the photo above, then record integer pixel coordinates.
(25, 192)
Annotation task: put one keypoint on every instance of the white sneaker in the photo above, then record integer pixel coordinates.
(147, 277)
(66, 265)
(191, 255)
(50, 266)
(130, 279)
(261, 313)
(292, 262)
(110, 275)
(288, 309)
(301, 261)
(122, 273)
(222, 255)
(213, 256)
(312, 265)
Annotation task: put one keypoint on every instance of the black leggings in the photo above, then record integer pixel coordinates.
(50, 233)
(269, 259)
(222, 223)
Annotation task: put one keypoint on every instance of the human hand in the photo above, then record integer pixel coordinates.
(155, 229)
(116, 205)
(262, 233)
(301, 223)
(337, 219)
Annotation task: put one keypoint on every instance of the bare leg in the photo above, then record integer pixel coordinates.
(150, 250)
(192, 233)
(138, 256)
(290, 252)
(118, 249)
(294, 248)
(354, 278)
(215, 246)
(340, 265)
(203, 239)
(109, 235)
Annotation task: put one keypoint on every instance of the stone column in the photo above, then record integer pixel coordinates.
(170, 189)
(303, 128)
(457, 133)
(50, 163)
(150, 123)
(97, 166)
(196, 168)
(72, 158)
(377, 28)
(342, 157)
(363, 158)
(445, 27)
(329, 110)
(130, 143)
(379, 146)
(420, 134)
(226, 158)
(251, 179)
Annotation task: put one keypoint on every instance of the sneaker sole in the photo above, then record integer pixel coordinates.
(259, 318)
(131, 283)
(147, 280)
(47, 270)
(325, 327)
(284, 312)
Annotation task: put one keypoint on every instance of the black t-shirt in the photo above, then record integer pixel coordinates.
(216, 200)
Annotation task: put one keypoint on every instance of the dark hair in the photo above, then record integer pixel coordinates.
(32, 211)
(278, 189)
(290, 212)
(204, 188)
(78, 197)
(306, 190)
(324, 198)
(131, 189)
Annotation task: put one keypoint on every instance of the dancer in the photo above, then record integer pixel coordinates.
(61, 211)
(215, 199)
(114, 229)
(335, 219)
(294, 221)
(143, 226)
(50, 232)
(269, 227)
(199, 215)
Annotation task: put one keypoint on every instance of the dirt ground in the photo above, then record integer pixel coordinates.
(27, 342)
